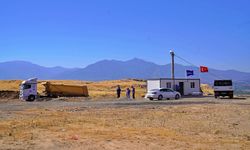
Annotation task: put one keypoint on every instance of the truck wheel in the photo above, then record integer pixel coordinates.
(31, 98)
(160, 97)
(231, 96)
(151, 99)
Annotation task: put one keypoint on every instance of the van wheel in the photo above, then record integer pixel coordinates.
(177, 96)
(31, 98)
(151, 99)
(160, 97)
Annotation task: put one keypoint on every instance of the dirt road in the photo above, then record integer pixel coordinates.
(15, 104)
(75, 123)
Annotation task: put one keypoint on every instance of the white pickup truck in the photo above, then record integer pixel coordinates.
(223, 88)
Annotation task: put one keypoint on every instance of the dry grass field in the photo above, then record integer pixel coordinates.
(103, 122)
(202, 123)
(97, 90)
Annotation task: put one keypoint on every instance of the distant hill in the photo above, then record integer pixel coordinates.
(25, 70)
(112, 70)
(137, 68)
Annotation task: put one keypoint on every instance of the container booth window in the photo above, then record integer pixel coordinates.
(169, 85)
(192, 85)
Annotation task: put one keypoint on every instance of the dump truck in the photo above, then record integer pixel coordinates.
(28, 90)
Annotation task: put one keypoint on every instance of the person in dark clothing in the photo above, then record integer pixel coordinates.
(177, 88)
(133, 92)
(118, 91)
(128, 93)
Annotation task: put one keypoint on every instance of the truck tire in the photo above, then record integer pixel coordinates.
(151, 99)
(31, 98)
(160, 97)
(231, 96)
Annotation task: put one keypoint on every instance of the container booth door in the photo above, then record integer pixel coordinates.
(181, 88)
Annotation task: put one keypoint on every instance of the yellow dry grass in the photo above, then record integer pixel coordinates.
(102, 89)
(10, 85)
(192, 127)
(207, 90)
(97, 90)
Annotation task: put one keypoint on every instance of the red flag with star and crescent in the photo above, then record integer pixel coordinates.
(203, 69)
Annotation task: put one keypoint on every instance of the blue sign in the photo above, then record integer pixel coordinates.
(190, 73)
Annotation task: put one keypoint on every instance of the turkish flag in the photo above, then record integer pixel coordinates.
(203, 69)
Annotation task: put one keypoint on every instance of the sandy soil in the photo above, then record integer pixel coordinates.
(77, 123)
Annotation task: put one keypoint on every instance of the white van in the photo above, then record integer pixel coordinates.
(223, 88)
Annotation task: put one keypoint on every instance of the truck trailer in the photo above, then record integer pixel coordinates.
(28, 90)
(62, 90)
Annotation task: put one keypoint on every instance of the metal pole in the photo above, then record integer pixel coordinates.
(173, 75)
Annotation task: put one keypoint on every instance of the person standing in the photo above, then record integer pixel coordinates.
(177, 88)
(128, 93)
(133, 92)
(118, 91)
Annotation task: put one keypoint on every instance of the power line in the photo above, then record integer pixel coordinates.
(185, 60)
(197, 66)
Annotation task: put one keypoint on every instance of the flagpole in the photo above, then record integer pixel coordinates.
(199, 73)
(173, 75)
(186, 75)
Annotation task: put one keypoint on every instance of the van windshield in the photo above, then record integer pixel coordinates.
(223, 83)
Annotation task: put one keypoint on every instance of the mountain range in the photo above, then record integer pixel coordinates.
(113, 69)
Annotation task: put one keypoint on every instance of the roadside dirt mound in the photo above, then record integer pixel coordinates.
(9, 94)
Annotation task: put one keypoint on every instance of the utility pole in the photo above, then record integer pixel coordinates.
(173, 76)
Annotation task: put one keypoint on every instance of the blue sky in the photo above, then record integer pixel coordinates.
(75, 33)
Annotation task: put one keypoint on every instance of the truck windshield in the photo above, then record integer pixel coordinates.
(223, 83)
(25, 86)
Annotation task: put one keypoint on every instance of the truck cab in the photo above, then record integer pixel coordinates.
(223, 88)
(28, 90)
